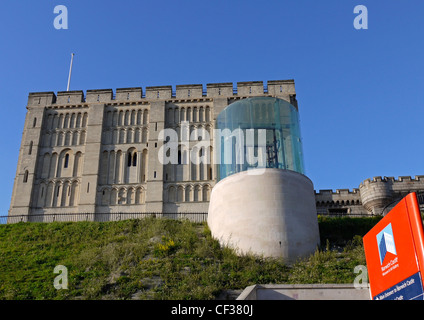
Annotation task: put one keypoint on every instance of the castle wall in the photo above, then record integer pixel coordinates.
(377, 195)
(98, 151)
(380, 194)
(342, 201)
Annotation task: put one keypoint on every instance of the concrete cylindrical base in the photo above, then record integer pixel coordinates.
(270, 213)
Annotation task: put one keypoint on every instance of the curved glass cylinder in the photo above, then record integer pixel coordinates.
(260, 132)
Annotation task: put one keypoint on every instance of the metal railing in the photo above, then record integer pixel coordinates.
(102, 217)
(344, 214)
(117, 216)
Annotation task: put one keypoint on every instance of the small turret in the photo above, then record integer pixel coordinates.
(376, 193)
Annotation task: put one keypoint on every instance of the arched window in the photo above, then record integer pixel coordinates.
(129, 159)
(188, 114)
(139, 196)
(139, 117)
(144, 136)
(208, 114)
(180, 194)
(145, 116)
(130, 196)
(133, 117)
(206, 193)
(171, 194)
(84, 119)
(201, 114)
(26, 176)
(82, 137)
(127, 118)
(66, 123)
(188, 194)
(78, 124)
(134, 159)
(66, 160)
(77, 164)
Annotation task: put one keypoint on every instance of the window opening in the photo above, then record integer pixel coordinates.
(66, 160)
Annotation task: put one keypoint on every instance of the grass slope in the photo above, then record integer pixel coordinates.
(159, 259)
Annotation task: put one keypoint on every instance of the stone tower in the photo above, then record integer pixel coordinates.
(98, 152)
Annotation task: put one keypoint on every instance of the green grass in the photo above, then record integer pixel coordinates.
(159, 259)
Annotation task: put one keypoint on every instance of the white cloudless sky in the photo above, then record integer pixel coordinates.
(360, 92)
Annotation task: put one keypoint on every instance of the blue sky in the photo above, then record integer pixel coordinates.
(360, 92)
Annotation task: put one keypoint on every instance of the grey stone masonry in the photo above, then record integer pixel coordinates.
(374, 196)
(98, 151)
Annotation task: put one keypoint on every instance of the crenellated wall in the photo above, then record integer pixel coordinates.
(97, 150)
(379, 193)
(375, 195)
(277, 88)
(341, 201)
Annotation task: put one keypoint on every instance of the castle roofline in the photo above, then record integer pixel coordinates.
(277, 88)
(400, 180)
(393, 179)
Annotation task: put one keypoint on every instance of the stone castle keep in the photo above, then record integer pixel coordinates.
(97, 152)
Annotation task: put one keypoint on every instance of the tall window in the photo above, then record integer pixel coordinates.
(66, 160)
(132, 159)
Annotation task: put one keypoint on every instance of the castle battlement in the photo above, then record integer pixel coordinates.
(107, 141)
(401, 179)
(340, 192)
(375, 194)
(78, 146)
(276, 88)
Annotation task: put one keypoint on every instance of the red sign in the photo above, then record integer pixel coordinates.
(394, 250)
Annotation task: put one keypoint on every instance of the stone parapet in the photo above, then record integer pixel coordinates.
(375, 195)
(283, 89)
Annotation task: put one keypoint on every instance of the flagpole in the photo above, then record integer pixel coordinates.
(70, 72)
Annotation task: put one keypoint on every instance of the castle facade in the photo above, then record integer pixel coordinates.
(102, 152)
